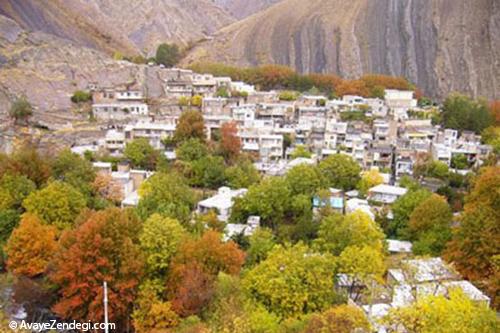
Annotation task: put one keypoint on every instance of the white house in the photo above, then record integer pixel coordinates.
(386, 194)
(222, 202)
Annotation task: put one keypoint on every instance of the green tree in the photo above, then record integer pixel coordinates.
(74, 170)
(191, 150)
(167, 54)
(166, 194)
(222, 92)
(463, 113)
(340, 171)
(141, 154)
(434, 314)
(231, 311)
(261, 243)
(209, 172)
(190, 125)
(13, 190)
(337, 232)
(270, 199)
(57, 204)
(159, 239)
(293, 281)
(304, 179)
(9, 219)
(242, 175)
(21, 109)
(460, 162)
(430, 226)
(402, 209)
(300, 151)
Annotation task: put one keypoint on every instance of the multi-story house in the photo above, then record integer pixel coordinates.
(154, 132)
(118, 103)
(399, 102)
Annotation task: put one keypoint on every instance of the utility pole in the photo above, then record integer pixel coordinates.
(106, 329)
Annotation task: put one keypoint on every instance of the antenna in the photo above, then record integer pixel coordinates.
(106, 329)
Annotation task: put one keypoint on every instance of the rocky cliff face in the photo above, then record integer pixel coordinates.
(117, 25)
(243, 8)
(441, 45)
(48, 69)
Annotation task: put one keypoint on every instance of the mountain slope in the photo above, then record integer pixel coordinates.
(48, 70)
(243, 8)
(127, 26)
(441, 45)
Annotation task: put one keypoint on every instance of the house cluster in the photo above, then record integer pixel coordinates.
(413, 279)
(375, 132)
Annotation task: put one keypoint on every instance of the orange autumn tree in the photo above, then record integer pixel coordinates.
(30, 247)
(230, 143)
(495, 111)
(475, 245)
(102, 248)
(195, 267)
(352, 87)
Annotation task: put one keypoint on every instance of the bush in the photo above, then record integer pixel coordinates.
(288, 96)
(21, 109)
(81, 97)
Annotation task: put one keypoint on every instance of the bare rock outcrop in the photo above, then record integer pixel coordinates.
(117, 25)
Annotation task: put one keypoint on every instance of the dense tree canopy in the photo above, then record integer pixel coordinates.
(242, 174)
(167, 54)
(57, 204)
(141, 154)
(13, 190)
(166, 194)
(433, 314)
(337, 232)
(159, 240)
(430, 226)
(190, 125)
(293, 281)
(304, 179)
(340, 171)
(27, 161)
(194, 268)
(339, 319)
(105, 247)
(31, 247)
(270, 199)
(368, 180)
(402, 209)
(191, 150)
(475, 241)
(463, 113)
